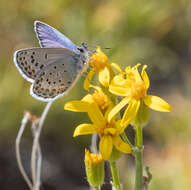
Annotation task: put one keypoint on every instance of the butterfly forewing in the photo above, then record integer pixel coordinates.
(52, 38)
(31, 61)
(57, 78)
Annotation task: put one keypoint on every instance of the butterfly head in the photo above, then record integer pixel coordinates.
(83, 50)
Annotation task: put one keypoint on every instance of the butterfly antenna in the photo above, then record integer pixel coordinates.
(92, 49)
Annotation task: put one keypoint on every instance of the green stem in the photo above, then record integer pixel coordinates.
(138, 158)
(124, 136)
(115, 176)
(97, 187)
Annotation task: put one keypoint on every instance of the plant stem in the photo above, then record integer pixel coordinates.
(138, 158)
(36, 161)
(17, 148)
(124, 136)
(115, 176)
(93, 146)
(97, 187)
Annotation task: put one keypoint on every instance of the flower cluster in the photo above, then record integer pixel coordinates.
(101, 105)
(104, 109)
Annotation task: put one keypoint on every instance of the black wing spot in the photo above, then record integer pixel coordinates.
(54, 82)
(50, 73)
(59, 80)
(65, 71)
(32, 57)
(69, 82)
(46, 56)
(55, 67)
(32, 61)
(36, 64)
(41, 66)
(33, 53)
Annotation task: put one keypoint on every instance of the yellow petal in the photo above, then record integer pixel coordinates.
(136, 73)
(110, 107)
(117, 108)
(84, 129)
(104, 76)
(156, 103)
(96, 115)
(106, 146)
(121, 145)
(96, 88)
(118, 127)
(118, 80)
(119, 91)
(88, 79)
(130, 113)
(88, 98)
(116, 67)
(77, 106)
(145, 77)
(110, 131)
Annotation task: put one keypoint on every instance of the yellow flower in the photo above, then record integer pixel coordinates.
(98, 97)
(100, 65)
(109, 132)
(133, 87)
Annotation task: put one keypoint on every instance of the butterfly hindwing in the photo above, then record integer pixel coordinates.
(57, 78)
(52, 38)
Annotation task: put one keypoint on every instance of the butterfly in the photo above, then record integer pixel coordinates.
(53, 68)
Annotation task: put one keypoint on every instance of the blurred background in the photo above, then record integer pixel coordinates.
(156, 33)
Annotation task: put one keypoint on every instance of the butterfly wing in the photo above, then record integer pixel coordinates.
(57, 78)
(30, 62)
(52, 38)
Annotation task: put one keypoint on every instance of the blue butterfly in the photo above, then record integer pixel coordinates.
(54, 68)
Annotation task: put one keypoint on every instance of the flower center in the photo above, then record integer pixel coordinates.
(99, 60)
(138, 90)
(107, 129)
(101, 99)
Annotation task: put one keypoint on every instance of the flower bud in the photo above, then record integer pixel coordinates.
(94, 164)
(142, 116)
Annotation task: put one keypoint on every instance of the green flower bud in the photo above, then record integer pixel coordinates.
(142, 116)
(94, 168)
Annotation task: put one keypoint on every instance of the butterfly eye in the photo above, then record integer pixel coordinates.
(81, 50)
